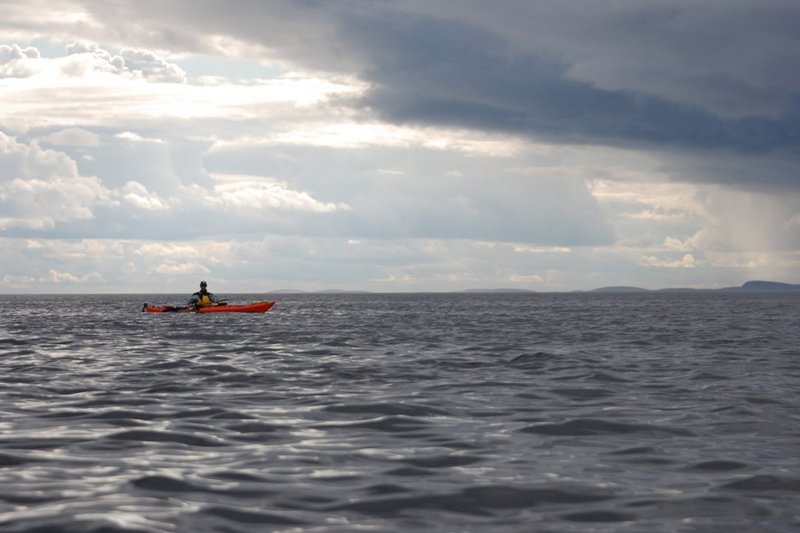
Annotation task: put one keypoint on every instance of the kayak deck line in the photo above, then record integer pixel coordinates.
(253, 307)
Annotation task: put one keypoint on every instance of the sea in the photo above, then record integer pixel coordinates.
(441, 412)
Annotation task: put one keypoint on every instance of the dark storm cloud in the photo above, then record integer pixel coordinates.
(445, 72)
(674, 75)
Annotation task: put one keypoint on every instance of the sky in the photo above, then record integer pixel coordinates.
(397, 145)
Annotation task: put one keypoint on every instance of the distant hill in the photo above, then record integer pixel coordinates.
(750, 286)
(620, 289)
(767, 286)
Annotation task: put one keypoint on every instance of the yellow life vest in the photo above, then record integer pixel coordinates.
(204, 300)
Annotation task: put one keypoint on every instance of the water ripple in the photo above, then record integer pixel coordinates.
(424, 412)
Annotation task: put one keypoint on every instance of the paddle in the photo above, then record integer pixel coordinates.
(165, 309)
(175, 309)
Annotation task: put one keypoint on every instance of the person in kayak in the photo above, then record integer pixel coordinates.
(202, 297)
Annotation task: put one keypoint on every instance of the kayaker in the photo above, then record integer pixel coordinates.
(202, 297)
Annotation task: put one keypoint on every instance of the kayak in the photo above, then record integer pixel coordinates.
(254, 307)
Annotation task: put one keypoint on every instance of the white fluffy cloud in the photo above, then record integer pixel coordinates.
(137, 195)
(237, 192)
(39, 187)
(94, 87)
(72, 137)
(17, 62)
(138, 63)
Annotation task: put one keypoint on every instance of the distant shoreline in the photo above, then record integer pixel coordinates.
(755, 286)
(751, 287)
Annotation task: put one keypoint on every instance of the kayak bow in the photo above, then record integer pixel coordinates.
(254, 307)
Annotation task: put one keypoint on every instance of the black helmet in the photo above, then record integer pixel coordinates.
(203, 284)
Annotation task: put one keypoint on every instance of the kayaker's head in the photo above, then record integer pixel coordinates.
(203, 284)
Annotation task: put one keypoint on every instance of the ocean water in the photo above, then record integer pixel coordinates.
(402, 412)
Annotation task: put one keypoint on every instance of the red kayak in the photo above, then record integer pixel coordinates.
(254, 307)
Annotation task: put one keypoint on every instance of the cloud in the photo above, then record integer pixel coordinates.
(172, 267)
(135, 137)
(56, 277)
(664, 76)
(137, 195)
(316, 190)
(72, 137)
(9, 53)
(183, 253)
(39, 187)
(364, 135)
(254, 192)
(152, 67)
(139, 63)
(749, 222)
(17, 62)
(687, 261)
(422, 197)
(723, 57)
(42, 190)
(447, 72)
(93, 87)
(407, 144)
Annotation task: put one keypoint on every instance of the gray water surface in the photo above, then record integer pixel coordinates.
(402, 412)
